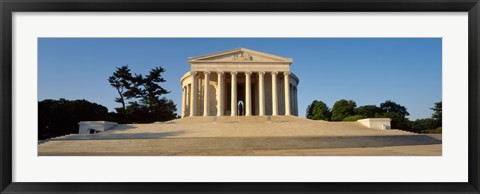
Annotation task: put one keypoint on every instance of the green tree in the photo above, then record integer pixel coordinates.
(420, 125)
(61, 117)
(145, 94)
(151, 92)
(318, 110)
(437, 113)
(121, 80)
(165, 110)
(397, 113)
(392, 107)
(343, 108)
(137, 113)
(369, 111)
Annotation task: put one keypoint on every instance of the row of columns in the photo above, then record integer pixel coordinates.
(293, 93)
(248, 97)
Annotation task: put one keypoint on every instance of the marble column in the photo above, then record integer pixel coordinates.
(193, 99)
(286, 84)
(187, 99)
(292, 94)
(248, 94)
(234, 94)
(261, 94)
(183, 101)
(292, 99)
(220, 94)
(296, 100)
(274, 94)
(206, 90)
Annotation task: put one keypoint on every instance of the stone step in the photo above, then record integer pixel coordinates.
(229, 119)
(231, 143)
(223, 133)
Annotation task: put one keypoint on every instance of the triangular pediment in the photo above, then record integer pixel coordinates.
(239, 55)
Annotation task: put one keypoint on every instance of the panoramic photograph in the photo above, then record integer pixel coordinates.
(239, 97)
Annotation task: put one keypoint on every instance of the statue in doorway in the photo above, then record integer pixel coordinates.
(240, 108)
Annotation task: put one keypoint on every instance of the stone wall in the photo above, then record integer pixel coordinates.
(86, 126)
(376, 123)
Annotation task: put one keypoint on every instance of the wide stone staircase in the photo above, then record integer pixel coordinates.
(228, 135)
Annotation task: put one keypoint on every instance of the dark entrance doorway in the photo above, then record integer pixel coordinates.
(241, 92)
(241, 98)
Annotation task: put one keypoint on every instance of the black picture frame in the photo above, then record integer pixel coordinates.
(7, 7)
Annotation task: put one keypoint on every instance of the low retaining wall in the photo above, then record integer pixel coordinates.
(87, 126)
(376, 123)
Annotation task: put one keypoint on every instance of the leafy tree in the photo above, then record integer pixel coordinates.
(137, 113)
(146, 103)
(318, 110)
(151, 91)
(392, 107)
(61, 117)
(397, 113)
(121, 80)
(343, 108)
(52, 118)
(369, 111)
(420, 125)
(437, 113)
(165, 110)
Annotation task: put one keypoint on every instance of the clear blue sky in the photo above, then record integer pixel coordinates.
(366, 70)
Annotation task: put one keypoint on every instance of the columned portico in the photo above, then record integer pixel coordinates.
(247, 90)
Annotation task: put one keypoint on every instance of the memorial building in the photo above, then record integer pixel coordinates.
(240, 102)
(239, 82)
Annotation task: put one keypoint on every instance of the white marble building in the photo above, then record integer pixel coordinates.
(239, 82)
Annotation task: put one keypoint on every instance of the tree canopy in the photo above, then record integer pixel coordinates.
(392, 107)
(343, 108)
(144, 95)
(61, 117)
(369, 111)
(318, 110)
(397, 113)
(121, 81)
(429, 125)
(437, 113)
(420, 125)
